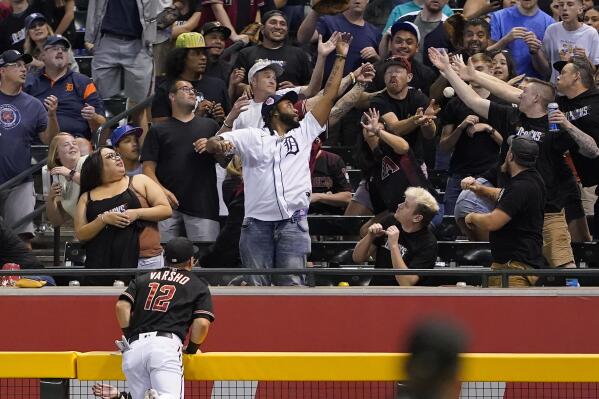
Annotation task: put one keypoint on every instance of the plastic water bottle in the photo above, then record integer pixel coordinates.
(551, 107)
(572, 282)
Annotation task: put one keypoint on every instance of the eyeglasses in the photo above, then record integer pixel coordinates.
(187, 90)
(14, 64)
(56, 48)
(113, 155)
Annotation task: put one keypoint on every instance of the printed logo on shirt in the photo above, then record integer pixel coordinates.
(533, 134)
(18, 36)
(578, 113)
(322, 182)
(68, 87)
(402, 250)
(388, 167)
(290, 145)
(9, 116)
(120, 208)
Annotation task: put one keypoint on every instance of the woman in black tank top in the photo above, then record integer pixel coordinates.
(109, 213)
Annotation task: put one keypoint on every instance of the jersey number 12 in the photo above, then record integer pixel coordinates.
(159, 303)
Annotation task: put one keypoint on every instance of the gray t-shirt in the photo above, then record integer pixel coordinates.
(425, 28)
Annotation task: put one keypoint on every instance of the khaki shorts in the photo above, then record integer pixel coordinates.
(557, 248)
(588, 198)
(513, 281)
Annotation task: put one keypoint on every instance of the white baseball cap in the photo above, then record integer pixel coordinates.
(263, 64)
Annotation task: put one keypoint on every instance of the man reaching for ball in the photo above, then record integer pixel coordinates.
(402, 240)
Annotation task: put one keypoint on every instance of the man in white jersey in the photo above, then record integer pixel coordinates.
(277, 178)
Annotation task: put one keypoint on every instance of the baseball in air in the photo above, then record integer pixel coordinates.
(448, 92)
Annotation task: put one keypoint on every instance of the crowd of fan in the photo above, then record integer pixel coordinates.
(500, 96)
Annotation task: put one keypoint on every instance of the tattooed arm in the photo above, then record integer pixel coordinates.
(587, 147)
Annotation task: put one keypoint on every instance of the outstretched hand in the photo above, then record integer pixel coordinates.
(439, 59)
(343, 43)
(326, 48)
(465, 72)
(366, 73)
(372, 120)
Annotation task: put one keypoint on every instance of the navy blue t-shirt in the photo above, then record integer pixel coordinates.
(22, 119)
(73, 91)
(122, 18)
(364, 36)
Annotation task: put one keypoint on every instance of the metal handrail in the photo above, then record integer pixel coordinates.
(12, 182)
(27, 218)
(115, 119)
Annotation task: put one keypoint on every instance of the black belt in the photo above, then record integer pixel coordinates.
(158, 334)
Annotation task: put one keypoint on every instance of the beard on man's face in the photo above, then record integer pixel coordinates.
(289, 121)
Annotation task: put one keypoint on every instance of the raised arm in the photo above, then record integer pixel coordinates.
(465, 92)
(324, 49)
(323, 107)
(496, 86)
(307, 33)
(371, 124)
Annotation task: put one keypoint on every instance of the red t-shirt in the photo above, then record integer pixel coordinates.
(239, 16)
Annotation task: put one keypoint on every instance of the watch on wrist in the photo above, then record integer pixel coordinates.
(71, 174)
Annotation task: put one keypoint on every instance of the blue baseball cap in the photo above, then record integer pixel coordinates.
(122, 131)
(271, 102)
(10, 56)
(31, 18)
(57, 39)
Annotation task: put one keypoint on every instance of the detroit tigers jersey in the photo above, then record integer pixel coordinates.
(167, 300)
(276, 173)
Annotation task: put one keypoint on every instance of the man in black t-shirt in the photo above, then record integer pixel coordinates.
(155, 312)
(173, 156)
(580, 106)
(402, 107)
(403, 240)
(295, 62)
(471, 141)
(516, 223)
(529, 119)
(331, 191)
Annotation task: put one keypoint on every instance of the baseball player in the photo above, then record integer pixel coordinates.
(155, 312)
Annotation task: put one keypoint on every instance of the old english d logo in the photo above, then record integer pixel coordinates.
(68, 87)
(291, 145)
(388, 167)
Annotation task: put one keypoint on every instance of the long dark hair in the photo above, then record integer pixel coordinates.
(175, 63)
(511, 66)
(92, 170)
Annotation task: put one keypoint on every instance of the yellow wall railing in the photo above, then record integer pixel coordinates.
(292, 366)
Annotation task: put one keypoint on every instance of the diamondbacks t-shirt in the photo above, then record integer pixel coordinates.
(403, 109)
(552, 147)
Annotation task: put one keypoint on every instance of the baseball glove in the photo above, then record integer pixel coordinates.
(454, 27)
(330, 7)
(252, 31)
